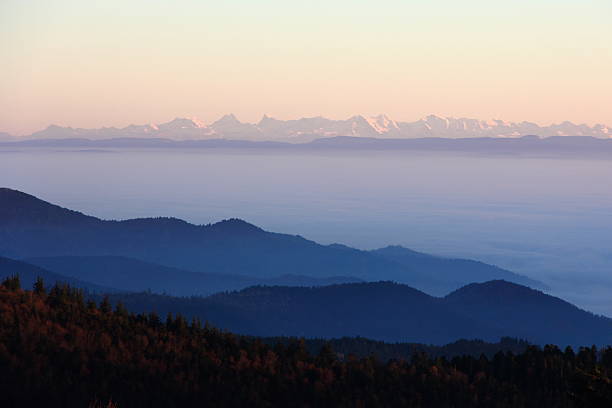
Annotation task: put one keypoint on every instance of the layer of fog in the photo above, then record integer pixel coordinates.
(550, 219)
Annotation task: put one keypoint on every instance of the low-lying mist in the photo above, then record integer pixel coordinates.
(550, 219)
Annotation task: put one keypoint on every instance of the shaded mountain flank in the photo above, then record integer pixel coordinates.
(452, 273)
(389, 312)
(33, 228)
(134, 275)
(28, 274)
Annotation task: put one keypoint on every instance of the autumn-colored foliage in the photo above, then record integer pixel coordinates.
(59, 350)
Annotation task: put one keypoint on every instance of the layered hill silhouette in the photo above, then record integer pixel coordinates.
(381, 310)
(28, 274)
(32, 228)
(449, 272)
(384, 311)
(107, 274)
(134, 275)
(390, 312)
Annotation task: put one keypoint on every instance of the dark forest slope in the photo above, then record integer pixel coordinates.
(58, 351)
(390, 312)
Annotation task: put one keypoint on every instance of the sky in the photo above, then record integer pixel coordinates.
(86, 63)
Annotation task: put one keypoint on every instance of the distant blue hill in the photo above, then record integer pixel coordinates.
(390, 312)
(451, 273)
(28, 274)
(134, 275)
(32, 228)
(530, 314)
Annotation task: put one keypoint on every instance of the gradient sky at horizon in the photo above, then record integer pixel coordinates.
(112, 63)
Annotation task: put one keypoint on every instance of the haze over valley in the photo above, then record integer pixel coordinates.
(317, 299)
(534, 216)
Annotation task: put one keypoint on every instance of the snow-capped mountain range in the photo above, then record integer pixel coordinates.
(307, 129)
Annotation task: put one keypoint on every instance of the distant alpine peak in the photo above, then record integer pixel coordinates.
(267, 121)
(383, 124)
(183, 123)
(310, 128)
(229, 118)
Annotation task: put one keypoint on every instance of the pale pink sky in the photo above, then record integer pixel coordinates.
(113, 63)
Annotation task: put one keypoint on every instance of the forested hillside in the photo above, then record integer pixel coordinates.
(57, 350)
